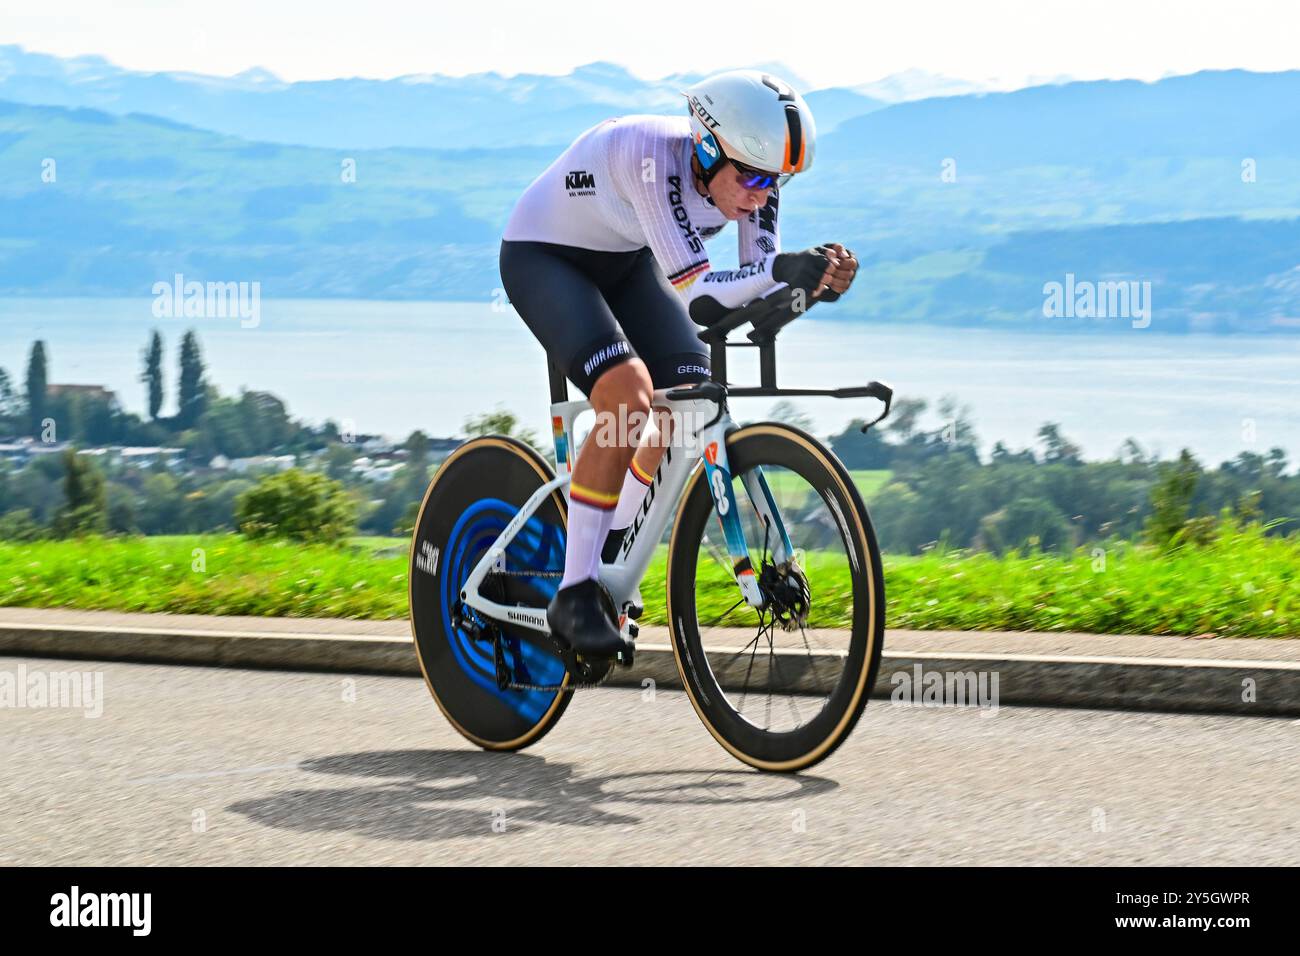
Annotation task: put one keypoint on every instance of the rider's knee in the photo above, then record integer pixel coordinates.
(626, 386)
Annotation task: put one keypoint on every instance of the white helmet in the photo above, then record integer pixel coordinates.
(752, 118)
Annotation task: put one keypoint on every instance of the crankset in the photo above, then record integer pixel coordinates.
(511, 669)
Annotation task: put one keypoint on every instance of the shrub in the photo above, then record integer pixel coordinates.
(19, 525)
(298, 505)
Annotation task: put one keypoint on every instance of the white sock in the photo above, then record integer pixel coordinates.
(629, 499)
(588, 526)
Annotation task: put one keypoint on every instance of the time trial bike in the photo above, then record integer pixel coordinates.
(775, 599)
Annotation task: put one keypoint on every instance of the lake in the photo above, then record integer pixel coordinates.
(391, 367)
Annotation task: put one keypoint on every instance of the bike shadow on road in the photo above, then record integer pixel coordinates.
(445, 794)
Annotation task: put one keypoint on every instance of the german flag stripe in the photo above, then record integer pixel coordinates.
(688, 275)
(589, 496)
(640, 474)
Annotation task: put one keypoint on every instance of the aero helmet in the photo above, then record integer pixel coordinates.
(752, 118)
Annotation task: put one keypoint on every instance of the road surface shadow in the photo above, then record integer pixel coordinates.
(442, 794)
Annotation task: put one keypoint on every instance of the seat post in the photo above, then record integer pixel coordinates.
(559, 384)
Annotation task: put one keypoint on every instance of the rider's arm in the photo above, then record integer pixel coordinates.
(759, 232)
(657, 202)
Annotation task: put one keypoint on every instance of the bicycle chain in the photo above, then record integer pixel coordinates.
(499, 661)
(589, 685)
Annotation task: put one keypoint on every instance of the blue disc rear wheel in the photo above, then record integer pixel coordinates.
(476, 492)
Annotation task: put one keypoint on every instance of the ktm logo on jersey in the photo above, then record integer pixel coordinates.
(580, 179)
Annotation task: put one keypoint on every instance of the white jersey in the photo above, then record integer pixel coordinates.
(626, 184)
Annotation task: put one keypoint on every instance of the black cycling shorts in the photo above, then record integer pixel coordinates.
(592, 310)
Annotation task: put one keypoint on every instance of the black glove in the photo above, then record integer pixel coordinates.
(829, 294)
(801, 270)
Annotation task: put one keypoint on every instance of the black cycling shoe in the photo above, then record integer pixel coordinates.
(583, 617)
(613, 545)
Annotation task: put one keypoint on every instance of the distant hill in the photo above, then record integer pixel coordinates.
(1230, 114)
(960, 208)
(833, 107)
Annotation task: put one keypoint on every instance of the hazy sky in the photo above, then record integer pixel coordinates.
(836, 43)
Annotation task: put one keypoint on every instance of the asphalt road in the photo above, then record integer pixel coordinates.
(197, 766)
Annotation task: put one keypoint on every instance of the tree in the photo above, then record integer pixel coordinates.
(266, 421)
(121, 510)
(10, 405)
(904, 415)
(500, 422)
(401, 499)
(1171, 498)
(153, 376)
(224, 428)
(162, 505)
(1056, 448)
(417, 446)
(192, 391)
(1002, 455)
(861, 451)
(37, 384)
(212, 507)
(85, 507)
(338, 459)
(791, 414)
(1025, 521)
(1131, 453)
(37, 487)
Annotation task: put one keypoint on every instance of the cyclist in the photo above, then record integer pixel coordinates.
(603, 257)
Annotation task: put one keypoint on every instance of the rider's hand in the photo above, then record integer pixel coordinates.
(840, 275)
(807, 270)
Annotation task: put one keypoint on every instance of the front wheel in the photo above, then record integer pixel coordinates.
(780, 687)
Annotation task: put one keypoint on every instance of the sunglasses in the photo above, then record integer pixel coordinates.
(752, 178)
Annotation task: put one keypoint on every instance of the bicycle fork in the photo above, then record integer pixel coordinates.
(718, 474)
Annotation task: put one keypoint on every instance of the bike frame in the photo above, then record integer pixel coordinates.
(684, 450)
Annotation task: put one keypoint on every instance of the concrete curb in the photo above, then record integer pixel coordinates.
(1124, 683)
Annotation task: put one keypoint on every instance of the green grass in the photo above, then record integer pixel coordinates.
(218, 574)
(783, 481)
(870, 481)
(1242, 585)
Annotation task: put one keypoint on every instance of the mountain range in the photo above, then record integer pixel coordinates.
(960, 207)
